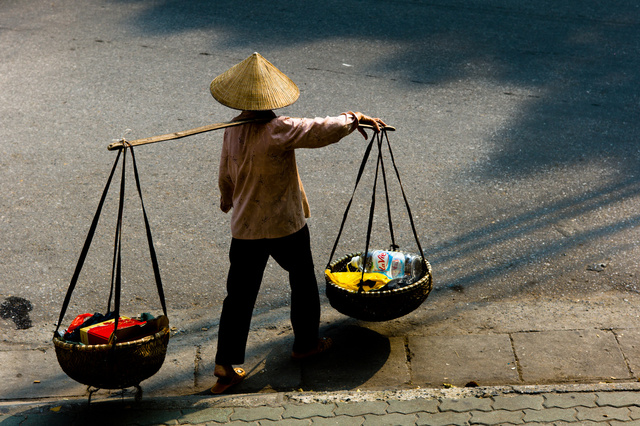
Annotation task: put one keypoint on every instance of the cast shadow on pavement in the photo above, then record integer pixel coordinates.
(357, 355)
(117, 411)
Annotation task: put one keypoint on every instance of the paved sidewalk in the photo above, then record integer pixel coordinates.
(549, 377)
(577, 404)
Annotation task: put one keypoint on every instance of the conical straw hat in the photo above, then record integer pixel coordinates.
(254, 85)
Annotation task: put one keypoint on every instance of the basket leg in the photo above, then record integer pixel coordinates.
(91, 391)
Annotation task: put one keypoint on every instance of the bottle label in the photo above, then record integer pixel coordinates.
(380, 260)
(397, 268)
(387, 263)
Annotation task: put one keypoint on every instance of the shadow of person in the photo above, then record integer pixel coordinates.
(357, 355)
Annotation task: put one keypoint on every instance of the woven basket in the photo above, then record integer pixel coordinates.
(382, 305)
(109, 367)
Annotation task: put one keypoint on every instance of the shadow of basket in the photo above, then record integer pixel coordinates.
(356, 356)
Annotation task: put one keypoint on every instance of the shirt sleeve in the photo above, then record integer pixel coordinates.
(293, 133)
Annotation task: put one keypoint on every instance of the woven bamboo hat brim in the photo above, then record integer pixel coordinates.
(254, 85)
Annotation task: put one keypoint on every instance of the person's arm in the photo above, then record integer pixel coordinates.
(294, 133)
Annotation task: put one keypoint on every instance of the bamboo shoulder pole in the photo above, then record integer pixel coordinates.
(177, 135)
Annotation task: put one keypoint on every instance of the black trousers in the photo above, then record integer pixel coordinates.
(248, 261)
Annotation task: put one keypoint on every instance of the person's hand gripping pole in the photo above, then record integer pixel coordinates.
(375, 123)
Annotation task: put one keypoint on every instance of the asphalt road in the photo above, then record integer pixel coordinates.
(517, 143)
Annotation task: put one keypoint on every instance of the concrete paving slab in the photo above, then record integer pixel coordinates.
(176, 376)
(458, 360)
(629, 341)
(560, 356)
(618, 399)
(35, 374)
(396, 370)
(569, 399)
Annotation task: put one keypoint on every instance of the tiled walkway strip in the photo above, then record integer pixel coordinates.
(497, 408)
(571, 407)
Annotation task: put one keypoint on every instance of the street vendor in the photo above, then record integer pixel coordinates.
(259, 182)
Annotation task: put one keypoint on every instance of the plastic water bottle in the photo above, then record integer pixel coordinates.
(393, 264)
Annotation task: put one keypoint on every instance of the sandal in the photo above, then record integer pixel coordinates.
(324, 345)
(225, 383)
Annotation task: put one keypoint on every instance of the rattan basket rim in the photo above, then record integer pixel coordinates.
(427, 276)
(58, 342)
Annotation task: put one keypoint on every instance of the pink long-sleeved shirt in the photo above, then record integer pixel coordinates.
(258, 176)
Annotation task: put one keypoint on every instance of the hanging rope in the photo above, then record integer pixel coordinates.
(116, 269)
(378, 139)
